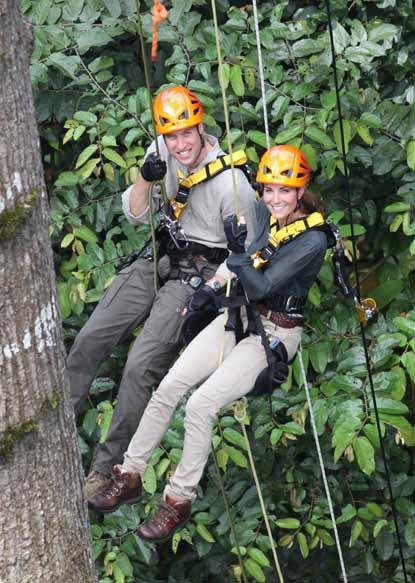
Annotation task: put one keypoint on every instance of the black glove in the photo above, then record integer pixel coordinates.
(236, 234)
(153, 168)
(202, 299)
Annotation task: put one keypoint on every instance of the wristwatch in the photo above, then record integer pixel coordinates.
(215, 285)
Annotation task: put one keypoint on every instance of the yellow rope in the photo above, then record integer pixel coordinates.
(236, 205)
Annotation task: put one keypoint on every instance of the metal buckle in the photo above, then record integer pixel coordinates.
(195, 281)
(288, 306)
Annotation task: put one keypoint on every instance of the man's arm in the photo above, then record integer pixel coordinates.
(138, 199)
(135, 198)
(247, 208)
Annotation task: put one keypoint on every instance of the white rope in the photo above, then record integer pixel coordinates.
(261, 73)
(310, 404)
(323, 470)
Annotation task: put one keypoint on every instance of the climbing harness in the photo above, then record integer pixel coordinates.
(368, 306)
(278, 237)
(186, 183)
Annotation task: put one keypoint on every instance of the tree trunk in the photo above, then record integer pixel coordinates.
(44, 528)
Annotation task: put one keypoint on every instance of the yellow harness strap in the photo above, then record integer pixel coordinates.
(280, 236)
(212, 169)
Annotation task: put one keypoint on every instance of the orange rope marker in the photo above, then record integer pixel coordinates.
(160, 13)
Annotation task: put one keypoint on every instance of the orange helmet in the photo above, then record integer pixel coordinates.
(284, 165)
(176, 108)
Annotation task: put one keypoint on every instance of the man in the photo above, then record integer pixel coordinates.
(196, 269)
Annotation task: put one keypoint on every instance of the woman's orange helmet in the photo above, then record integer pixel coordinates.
(284, 165)
(176, 108)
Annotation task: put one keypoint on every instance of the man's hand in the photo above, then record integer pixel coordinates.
(235, 233)
(203, 298)
(154, 168)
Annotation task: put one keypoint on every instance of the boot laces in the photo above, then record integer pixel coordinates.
(166, 511)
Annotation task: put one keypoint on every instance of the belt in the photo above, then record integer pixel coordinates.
(281, 319)
(289, 304)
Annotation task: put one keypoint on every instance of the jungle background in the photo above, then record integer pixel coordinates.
(95, 123)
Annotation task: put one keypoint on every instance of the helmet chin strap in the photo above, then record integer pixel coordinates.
(202, 138)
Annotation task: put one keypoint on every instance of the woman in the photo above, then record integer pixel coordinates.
(280, 282)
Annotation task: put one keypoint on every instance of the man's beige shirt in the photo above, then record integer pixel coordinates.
(209, 203)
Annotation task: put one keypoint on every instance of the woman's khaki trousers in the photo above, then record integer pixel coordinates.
(219, 385)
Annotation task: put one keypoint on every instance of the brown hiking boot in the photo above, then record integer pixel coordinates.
(173, 514)
(124, 488)
(95, 483)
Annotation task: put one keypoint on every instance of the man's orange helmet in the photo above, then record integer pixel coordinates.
(284, 165)
(176, 108)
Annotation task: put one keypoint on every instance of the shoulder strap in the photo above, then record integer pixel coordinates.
(278, 237)
(186, 183)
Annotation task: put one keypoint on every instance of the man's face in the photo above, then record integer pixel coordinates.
(185, 145)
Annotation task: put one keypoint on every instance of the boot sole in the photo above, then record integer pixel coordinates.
(165, 538)
(114, 508)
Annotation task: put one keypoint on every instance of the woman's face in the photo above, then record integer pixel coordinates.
(281, 200)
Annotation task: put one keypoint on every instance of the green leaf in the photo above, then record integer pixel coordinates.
(355, 532)
(86, 118)
(391, 407)
(347, 514)
(234, 437)
(64, 300)
(410, 533)
(288, 523)
(384, 544)
(302, 543)
(224, 74)
(410, 155)
(365, 455)
(378, 527)
(255, 570)
(364, 133)
(66, 64)
(124, 564)
(397, 207)
(259, 557)
(236, 456)
(67, 240)
(289, 134)
(276, 435)
(105, 421)
(371, 432)
(113, 156)
(257, 137)
(320, 137)
(85, 155)
(237, 82)
(150, 480)
(162, 467)
(408, 360)
(85, 234)
(347, 134)
(204, 533)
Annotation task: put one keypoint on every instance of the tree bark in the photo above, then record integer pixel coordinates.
(44, 528)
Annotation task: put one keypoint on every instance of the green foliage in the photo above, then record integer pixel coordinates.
(95, 124)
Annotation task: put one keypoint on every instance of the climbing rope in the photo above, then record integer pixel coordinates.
(261, 73)
(225, 105)
(310, 404)
(322, 467)
(236, 206)
(362, 330)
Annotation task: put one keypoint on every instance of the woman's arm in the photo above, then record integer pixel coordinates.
(299, 258)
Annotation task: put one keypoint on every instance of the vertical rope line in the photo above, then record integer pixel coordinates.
(228, 511)
(314, 428)
(225, 106)
(146, 73)
(322, 468)
(368, 366)
(261, 73)
(261, 501)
